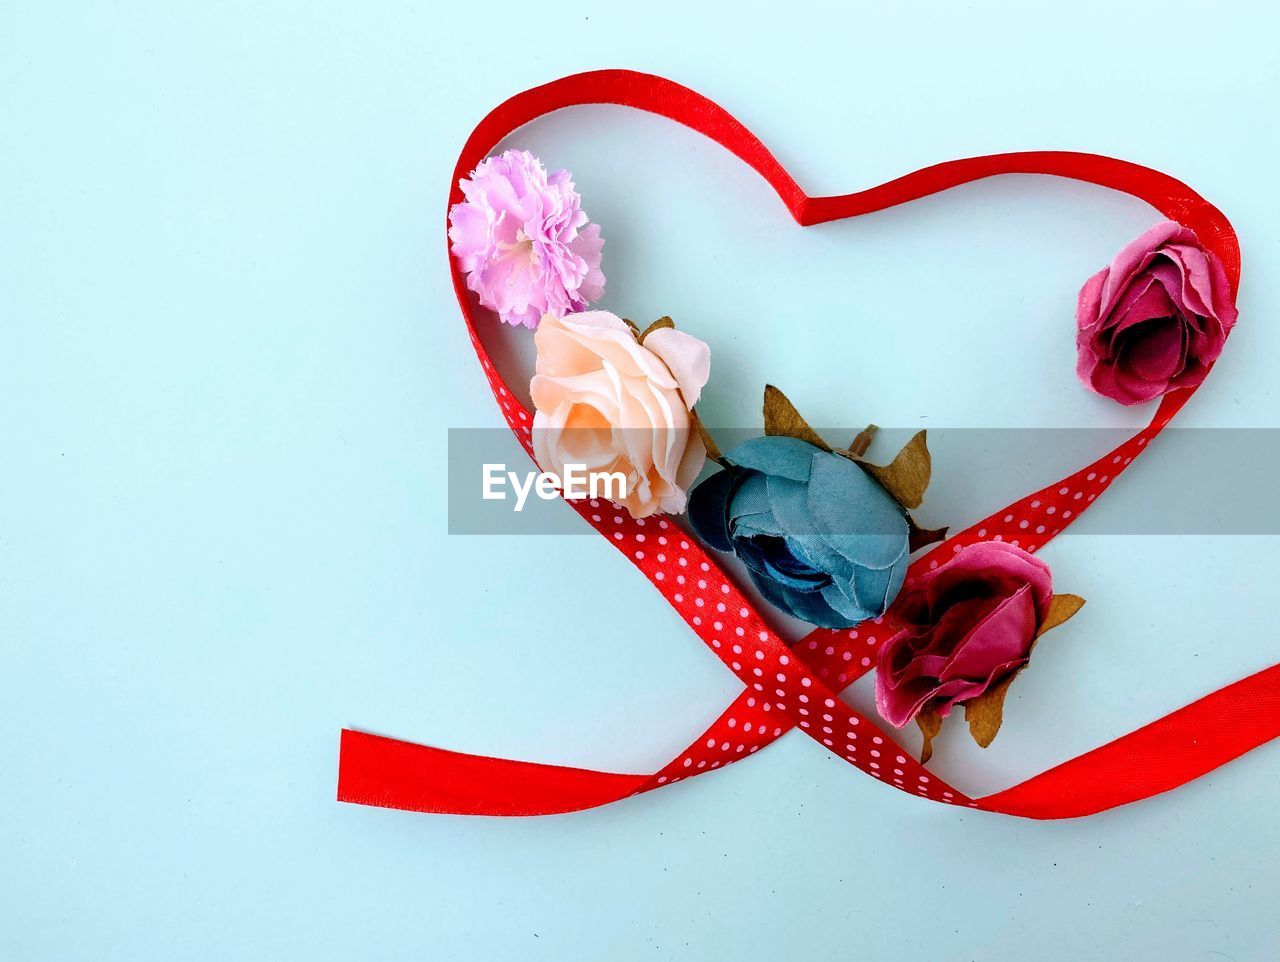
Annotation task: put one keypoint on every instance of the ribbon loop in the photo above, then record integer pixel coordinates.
(799, 686)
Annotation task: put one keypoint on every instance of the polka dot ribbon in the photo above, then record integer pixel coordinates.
(798, 687)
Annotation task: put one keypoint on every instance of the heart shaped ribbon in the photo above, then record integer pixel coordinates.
(798, 686)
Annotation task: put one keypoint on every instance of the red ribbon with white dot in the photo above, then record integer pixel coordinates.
(786, 687)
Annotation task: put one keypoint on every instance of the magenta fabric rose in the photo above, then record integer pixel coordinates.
(967, 625)
(1155, 319)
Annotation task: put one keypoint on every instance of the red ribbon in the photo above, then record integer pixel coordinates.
(798, 686)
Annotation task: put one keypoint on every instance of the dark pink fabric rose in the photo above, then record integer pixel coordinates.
(1155, 319)
(967, 626)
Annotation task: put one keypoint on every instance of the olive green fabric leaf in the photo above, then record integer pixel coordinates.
(907, 476)
(658, 325)
(781, 419)
(930, 723)
(713, 449)
(1061, 608)
(918, 537)
(986, 712)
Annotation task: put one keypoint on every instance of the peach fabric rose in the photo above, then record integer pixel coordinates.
(606, 401)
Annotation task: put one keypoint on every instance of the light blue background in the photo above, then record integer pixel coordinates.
(229, 359)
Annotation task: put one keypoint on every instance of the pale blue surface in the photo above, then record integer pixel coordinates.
(229, 358)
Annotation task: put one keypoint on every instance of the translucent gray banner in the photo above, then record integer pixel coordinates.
(1189, 481)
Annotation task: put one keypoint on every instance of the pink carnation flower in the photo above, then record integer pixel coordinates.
(524, 242)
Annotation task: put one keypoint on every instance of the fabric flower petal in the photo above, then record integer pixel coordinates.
(822, 540)
(523, 241)
(688, 359)
(967, 625)
(1154, 319)
(601, 398)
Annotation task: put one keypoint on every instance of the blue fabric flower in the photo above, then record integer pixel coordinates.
(822, 540)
